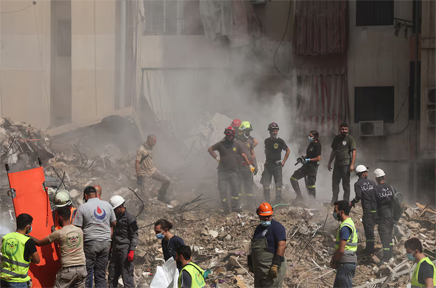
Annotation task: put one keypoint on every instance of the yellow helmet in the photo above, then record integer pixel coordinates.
(245, 126)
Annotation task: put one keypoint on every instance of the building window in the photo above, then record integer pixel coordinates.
(374, 103)
(374, 13)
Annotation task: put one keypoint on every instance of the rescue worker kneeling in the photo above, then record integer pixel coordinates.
(124, 242)
(268, 246)
(191, 275)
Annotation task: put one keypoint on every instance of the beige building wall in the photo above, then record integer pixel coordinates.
(25, 61)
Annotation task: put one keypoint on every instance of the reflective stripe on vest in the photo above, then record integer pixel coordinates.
(415, 282)
(196, 273)
(14, 268)
(351, 246)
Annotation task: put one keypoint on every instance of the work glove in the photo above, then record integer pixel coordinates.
(252, 169)
(139, 180)
(307, 159)
(273, 271)
(218, 159)
(353, 203)
(130, 256)
(250, 263)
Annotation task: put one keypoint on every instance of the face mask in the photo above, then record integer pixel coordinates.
(30, 230)
(410, 257)
(265, 223)
(160, 236)
(247, 134)
(335, 215)
(311, 139)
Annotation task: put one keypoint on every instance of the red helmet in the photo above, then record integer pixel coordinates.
(236, 123)
(229, 131)
(273, 125)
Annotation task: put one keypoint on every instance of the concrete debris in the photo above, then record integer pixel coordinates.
(219, 242)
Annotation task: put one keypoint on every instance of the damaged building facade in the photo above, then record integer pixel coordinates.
(68, 64)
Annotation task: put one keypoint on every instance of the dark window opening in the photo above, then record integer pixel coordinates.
(374, 13)
(374, 104)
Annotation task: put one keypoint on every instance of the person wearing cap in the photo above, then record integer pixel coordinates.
(344, 154)
(309, 168)
(145, 170)
(70, 239)
(245, 173)
(274, 163)
(424, 274)
(227, 174)
(95, 217)
(63, 199)
(365, 191)
(385, 205)
(267, 258)
(124, 242)
(99, 191)
(344, 260)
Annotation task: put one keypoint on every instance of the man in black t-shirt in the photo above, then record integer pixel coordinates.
(309, 168)
(227, 174)
(274, 163)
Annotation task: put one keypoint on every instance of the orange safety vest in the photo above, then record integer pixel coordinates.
(56, 218)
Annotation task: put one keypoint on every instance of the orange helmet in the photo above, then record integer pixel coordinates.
(265, 209)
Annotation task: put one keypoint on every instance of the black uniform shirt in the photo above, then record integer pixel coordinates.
(273, 149)
(125, 232)
(385, 200)
(365, 191)
(313, 150)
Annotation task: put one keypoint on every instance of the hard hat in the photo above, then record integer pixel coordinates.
(229, 131)
(265, 209)
(62, 198)
(273, 125)
(116, 201)
(379, 173)
(236, 123)
(361, 169)
(245, 125)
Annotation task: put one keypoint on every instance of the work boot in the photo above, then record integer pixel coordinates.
(299, 198)
(163, 198)
(267, 195)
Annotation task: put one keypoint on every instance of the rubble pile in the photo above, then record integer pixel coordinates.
(220, 243)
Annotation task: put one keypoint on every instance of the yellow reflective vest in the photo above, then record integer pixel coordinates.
(415, 282)
(351, 246)
(13, 266)
(196, 275)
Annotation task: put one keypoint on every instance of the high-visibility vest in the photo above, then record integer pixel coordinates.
(14, 268)
(196, 273)
(415, 282)
(351, 246)
(56, 218)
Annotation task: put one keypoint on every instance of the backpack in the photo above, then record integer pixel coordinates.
(398, 205)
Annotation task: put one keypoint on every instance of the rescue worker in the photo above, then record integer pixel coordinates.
(96, 218)
(145, 169)
(274, 164)
(124, 242)
(424, 274)
(191, 275)
(63, 199)
(344, 154)
(344, 260)
(245, 173)
(70, 239)
(99, 191)
(170, 241)
(227, 174)
(385, 200)
(309, 168)
(18, 251)
(365, 191)
(267, 258)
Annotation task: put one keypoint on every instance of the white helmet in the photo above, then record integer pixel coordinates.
(62, 198)
(361, 169)
(116, 201)
(379, 173)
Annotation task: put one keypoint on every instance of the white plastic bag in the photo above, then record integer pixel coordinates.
(166, 276)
